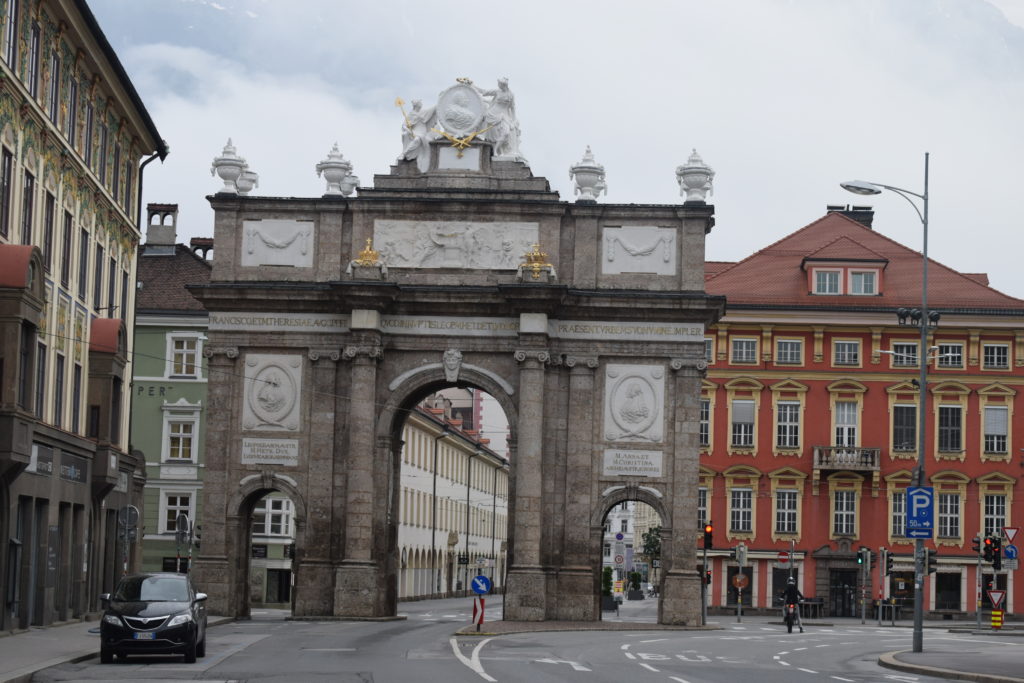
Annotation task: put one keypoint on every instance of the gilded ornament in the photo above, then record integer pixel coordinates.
(535, 260)
(368, 256)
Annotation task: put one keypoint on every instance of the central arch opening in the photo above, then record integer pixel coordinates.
(452, 496)
(631, 562)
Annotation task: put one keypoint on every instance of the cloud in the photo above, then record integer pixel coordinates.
(783, 98)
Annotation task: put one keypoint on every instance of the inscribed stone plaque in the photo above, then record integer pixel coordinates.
(634, 396)
(275, 242)
(639, 249)
(591, 329)
(448, 158)
(279, 322)
(270, 452)
(273, 386)
(469, 327)
(453, 244)
(620, 462)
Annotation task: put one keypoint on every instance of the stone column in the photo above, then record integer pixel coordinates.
(525, 598)
(213, 572)
(314, 572)
(577, 599)
(681, 590)
(355, 586)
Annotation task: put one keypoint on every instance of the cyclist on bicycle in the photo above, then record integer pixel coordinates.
(793, 596)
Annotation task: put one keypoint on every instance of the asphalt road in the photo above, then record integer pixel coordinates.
(422, 647)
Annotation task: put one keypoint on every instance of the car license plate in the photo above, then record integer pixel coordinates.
(145, 635)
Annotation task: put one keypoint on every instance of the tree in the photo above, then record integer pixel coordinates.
(652, 543)
(606, 581)
(634, 581)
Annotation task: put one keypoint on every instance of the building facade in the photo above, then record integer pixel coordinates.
(453, 511)
(168, 387)
(73, 138)
(809, 421)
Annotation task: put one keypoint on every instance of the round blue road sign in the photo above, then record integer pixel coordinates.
(481, 585)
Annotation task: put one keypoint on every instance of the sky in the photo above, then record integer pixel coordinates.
(784, 99)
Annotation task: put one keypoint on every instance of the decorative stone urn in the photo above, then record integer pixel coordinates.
(588, 178)
(247, 181)
(228, 166)
(695, 178)
(337, 171)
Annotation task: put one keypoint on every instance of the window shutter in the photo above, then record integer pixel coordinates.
(743, 411)
(995, 421)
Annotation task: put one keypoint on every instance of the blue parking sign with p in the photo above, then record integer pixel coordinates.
(920, 507)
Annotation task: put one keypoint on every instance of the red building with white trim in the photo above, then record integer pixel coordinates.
(809, 421)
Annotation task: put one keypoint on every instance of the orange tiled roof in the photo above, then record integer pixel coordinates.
(773, 276)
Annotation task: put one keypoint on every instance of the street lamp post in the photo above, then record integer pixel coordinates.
(435, 575)
(923, 319)
(469, 482)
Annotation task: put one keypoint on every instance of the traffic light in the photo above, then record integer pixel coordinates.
(976, 545)
(988, 549)
(997, 553)
(708, 531)
(707, 578)
(888, 563)
(860, 556)
(931, 560)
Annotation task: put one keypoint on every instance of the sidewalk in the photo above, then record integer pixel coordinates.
(24, 653)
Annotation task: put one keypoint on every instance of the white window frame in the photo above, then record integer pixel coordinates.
(899, 513)
(709, 349)
(844, 513)
(741, 510)
(944, 411)
(794, 354)
(904, 354)
(265, 510)
(865, 277)
(786, 504)
(948, 504)
(849, 355)
(835, 277)
(904, 447)
(181, 412)
(950, 355)
(166, 525)
(787, 424)
(846, 430)
(702, 507)
(746, 434)
(704, 427)
(174, 337)
(986, 365)
(742, 359)
(995, 426)
(993, 513)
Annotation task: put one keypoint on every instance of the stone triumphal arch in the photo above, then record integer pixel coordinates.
(331, 316)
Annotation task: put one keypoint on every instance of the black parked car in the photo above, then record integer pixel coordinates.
(157, 613)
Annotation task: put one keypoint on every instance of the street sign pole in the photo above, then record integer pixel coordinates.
(705, 592)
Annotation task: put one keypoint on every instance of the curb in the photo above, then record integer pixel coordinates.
(889, 661)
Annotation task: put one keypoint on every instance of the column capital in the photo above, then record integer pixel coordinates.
(590, 362)
(330, 354)
(370, 351)
(700, 366)
(540, 355)
(229, 351)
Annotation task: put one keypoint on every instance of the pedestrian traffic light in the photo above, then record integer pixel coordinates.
(708, 531)
(931, 560)
(988, 549)
(976, 545)
(707, 578)
(860, 556)
(888, 562)
(997, 553)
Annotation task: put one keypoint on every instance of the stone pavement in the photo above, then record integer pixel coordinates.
(23, 653)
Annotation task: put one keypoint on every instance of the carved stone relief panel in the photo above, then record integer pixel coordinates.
(273, 389)
(634, 400)
(275, 242)
(638, 249)
(453, 244)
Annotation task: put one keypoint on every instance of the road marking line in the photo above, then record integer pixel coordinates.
(810, 671)
(631, 655)
(656, 640)
(784, 663)
(784, 652)
(677, 679)
(840, 678)
(625, 647)
(798, 649)
(651, 668)
(474, 663)
(821, 646)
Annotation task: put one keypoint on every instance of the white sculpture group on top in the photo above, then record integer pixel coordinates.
(463, 114)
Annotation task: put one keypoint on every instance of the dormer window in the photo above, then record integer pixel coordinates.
(826, 282)
(863, 282)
